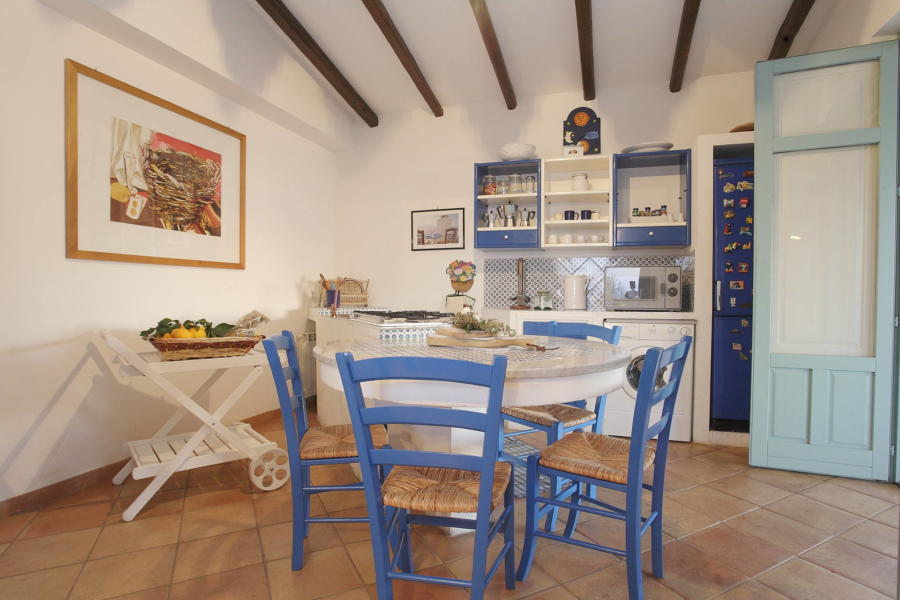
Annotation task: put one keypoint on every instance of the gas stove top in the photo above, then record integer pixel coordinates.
(400, 316)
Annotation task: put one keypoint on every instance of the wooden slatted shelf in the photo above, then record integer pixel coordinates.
(151, 455)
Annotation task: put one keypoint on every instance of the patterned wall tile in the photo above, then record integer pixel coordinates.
(546, 274)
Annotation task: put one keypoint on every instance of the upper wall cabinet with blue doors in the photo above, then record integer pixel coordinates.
(652, 202)
(507, 210)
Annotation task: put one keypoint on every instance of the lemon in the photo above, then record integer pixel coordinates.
(182, 333)
(199, 332)
(167, 335)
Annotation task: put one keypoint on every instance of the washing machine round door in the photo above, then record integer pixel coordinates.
(634, 368)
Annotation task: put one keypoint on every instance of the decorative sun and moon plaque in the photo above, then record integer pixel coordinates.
(581, 132)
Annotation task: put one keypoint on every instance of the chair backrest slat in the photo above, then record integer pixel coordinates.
(401, 415)
(289, 387)
(578, 331)
(422, 369)
(417, 458)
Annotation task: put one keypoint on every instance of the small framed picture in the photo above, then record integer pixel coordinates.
(441, 229)
(573, 150)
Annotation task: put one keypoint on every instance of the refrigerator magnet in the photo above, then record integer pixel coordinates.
(735, 285)
(728, 188)
(744, 185)
(745, 322)
(728, 203)
(748, 220)
(729, 267)
(728, 214)
(745, 231)
(728, 229)
(727, 249)
(723, 174)
(732, 302)
(742, 267)
(747, 174)
(736, 346)
(742, 356)
(735, 331)
(744, 202)
(747, 246)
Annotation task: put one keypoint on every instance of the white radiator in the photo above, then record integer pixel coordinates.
(306, 341)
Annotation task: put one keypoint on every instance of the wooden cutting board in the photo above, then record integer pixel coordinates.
(467, 342)
(462, 333)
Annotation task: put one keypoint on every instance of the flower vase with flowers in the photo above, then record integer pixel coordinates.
(462, 275)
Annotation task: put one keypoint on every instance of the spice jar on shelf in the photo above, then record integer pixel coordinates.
(530, 184)
(515, 184)
(488, 185)
(503, 186)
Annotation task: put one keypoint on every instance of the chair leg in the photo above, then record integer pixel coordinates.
(479, 559)
(307, 480)
(656, 530)
(406, 560)
(299, 511)
(599, 412)
(633, 544)
(572, 521)
(531, 492)
(553, 435)
(509, 536)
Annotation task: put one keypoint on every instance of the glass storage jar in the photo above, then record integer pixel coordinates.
(488, 185)
(502, 185)
(515, 184)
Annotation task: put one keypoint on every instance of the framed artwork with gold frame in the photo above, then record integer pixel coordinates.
(148, 181)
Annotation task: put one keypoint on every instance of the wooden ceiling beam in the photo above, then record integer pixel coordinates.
(483, 17)
(792, 23)
(586, 46)
(381, 17)
(288, 23)
(683, 46)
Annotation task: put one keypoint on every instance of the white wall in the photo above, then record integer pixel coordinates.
(414, 161)
(63, 413)
(849, 23)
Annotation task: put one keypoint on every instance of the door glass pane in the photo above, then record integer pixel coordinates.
(827, 99)
(824, 252)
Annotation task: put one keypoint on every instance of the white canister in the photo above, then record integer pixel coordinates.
(580, 182)
(575, 292)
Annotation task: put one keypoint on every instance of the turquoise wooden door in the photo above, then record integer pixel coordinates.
(825, 238)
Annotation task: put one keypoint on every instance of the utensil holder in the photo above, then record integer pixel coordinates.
(332, 298)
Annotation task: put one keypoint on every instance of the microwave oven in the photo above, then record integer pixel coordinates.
(642, 288)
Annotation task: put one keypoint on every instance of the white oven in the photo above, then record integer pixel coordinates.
(642, 288)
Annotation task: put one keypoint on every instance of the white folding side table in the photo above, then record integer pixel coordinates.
(214, 443)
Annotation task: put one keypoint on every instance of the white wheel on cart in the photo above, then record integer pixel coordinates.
(269, 470)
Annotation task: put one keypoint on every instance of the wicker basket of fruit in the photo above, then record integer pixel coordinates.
(182, 340)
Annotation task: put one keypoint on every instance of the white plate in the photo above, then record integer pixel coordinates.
(648, 147)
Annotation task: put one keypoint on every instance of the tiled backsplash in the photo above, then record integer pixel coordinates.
(547, 273)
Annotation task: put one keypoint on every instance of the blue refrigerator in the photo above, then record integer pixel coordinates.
(732, 293)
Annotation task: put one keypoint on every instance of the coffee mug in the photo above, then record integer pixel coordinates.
(586, 214)
(595, 238)
(558, 217)
(553, 239)
(595, 216)
(572, 215)
(579, 239)
(566, 238)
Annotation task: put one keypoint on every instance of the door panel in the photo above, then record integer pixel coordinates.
(826, 225)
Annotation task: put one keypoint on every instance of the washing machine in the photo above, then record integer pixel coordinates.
(638, 336)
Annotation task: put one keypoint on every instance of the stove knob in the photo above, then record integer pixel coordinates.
(672, 277)
(684, 331)
(670, 330)
(672, 292)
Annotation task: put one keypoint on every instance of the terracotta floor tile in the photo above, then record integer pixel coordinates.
(157, 593)
(741, 485)
(61, 520)
(247, 583)
(777, 529)
(867, 567)
(725, 460)
(744, 553)
(801, 580)
(3, 548)
(101, 492)
(326, 572)
(163, 503)
(47, 551)
(49, 584)
(11, 527)
(538, 580)
(695, 470)
(278, 508)
(606, 532)
(132, 487)
(889, 492)
(686, 449)
(706, 500)
(338, 501)
(814, 513)
(692, 574)
(125, 573)
(197, 498)
(407, 590)
(222, 476)
(359, 593)
(752, 590)
(846, 499)
(875, 536)
(350, 532)
(361, 555)
(786, 480)
(568, 561)
(333, 475)
(216, 554)
(554, 593)
(889, 517)
(137, 535)
(680, 520)
(612, 584)
(216, 520)
(276, 539)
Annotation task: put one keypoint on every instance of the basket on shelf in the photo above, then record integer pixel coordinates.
(462, 286)
(214, 347)
(354, 292)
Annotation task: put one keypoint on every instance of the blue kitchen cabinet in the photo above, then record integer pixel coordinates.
(523, 206)
(652, 198)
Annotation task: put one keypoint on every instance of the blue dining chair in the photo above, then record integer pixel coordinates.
(420, 483)
(556, 420)
(618, 464)
(309, 446)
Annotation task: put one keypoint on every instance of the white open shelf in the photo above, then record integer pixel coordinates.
(579, 223)
(579, 245)
(150, 456)
(504, 198)
(656, 224)
(506, 228)
(593, 162)
(588, 195)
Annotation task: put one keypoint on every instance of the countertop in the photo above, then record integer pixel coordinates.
(589, 315)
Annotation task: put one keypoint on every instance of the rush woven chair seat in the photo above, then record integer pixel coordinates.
(420, 483)
(335, 441)
(593, 455)
(586, 459)
(429, 489)
(557, 420)
(309, 446)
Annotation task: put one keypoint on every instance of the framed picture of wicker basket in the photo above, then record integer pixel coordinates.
(148, 181)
